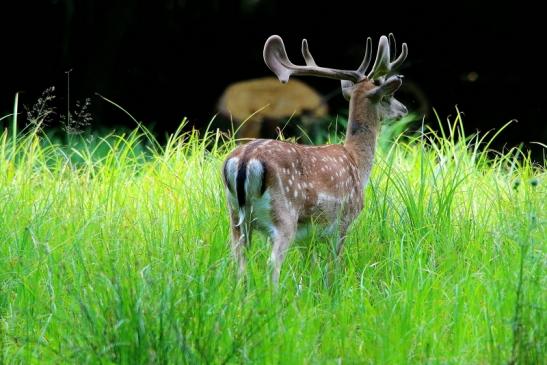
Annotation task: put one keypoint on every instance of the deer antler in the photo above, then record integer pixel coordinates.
(277, 60)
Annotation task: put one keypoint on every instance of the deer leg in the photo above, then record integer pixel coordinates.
(282, 237)
(342, 232)
(250, 129)
(238, 242)
(341, 241)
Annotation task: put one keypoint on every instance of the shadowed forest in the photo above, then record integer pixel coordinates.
(173, 59)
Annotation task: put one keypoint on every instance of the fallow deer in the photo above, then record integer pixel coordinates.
(244, 104)
(278, 187)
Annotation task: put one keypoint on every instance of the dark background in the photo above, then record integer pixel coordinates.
(168, 59)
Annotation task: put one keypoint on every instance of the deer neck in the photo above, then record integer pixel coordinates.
(361, 134)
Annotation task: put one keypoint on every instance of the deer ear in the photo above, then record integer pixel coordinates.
(391, 85)
(388, 87)
(347, 87)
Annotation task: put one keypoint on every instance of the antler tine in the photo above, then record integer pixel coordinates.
(402, 57)
(306, 53)
(366, 60)
(392, 45)
(277, 60)
(381, 63)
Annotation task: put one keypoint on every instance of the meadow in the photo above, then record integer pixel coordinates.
(114, 250)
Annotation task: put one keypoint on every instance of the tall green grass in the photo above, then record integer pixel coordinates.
(114, 250)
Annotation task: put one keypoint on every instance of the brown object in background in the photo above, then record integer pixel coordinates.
(275, 103)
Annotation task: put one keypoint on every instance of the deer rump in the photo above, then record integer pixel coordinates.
(262, 184)
(245, 179)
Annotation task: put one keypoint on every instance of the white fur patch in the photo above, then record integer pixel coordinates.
(253, 182)
(231, 173)
(261, 211)
(326, 198)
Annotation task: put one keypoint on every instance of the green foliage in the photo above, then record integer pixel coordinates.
(114, 250)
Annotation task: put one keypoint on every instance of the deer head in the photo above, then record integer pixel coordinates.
(380, 82)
